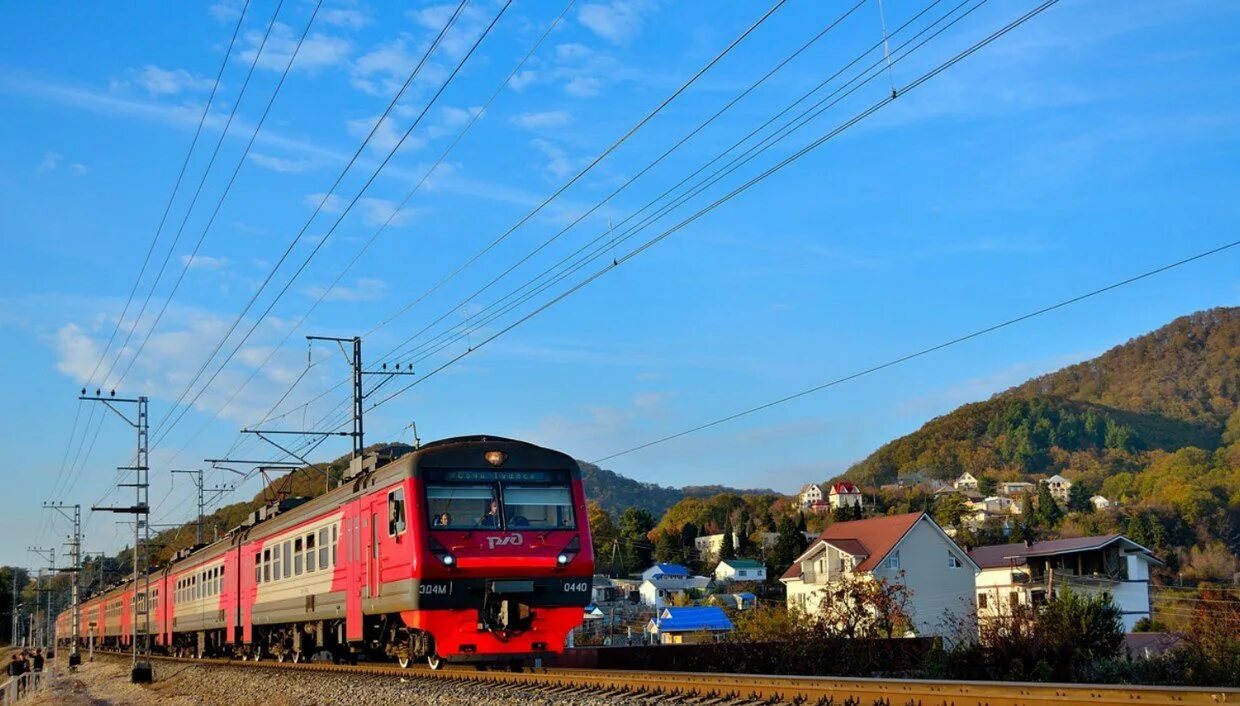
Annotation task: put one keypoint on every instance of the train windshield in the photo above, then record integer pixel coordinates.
(463, 506)
(511, 500)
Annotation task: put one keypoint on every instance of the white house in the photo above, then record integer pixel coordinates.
(662, 584)
(908, 549)
(844, 494)
(966, 483)
(811, 493)
(1059, 487)
(708, 545)
(1015, 487)
(1029, 573)
(1100, 503)
(740, 570)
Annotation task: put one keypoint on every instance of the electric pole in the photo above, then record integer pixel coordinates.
(196, 475)
(141, 509)
(49, 555)
(74, 569)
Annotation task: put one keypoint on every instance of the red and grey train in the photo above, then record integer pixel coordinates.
(467, 549)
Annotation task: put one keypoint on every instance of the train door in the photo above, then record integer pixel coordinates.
(350, 550)
(372, 552)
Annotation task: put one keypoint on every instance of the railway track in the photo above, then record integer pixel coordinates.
(664, 687)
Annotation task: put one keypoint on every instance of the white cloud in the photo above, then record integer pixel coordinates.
(168, 82)
(558, 162)
(382, 71)
(332, 204)
(521, 79)
(386, 137)
(226, 10)
(49, 163)
(366, 289)
(583, 86)
(317, 51)
(377, 212)
(204, 262)
(345, 17)
(281, 164)
(543, 120)
(433, 17)
(618, 21)
(76, 353)
(78, 169)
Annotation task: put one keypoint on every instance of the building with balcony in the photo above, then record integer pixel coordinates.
(1028, 574)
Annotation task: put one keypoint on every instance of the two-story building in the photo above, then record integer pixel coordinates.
(664, 584)
(708, 545)
(966, 483)
(911, 550)
(811, 493)
(1015, 488)
(1059, 487)
(844, 494)
(1028, 574)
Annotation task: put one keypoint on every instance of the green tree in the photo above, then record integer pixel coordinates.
(951, 509)
(1049, 511)
(1138, 529)
(1078, 499)
(986, 485)
(788, 546)
(602, 532)
(727, 549)
(634, 531)
(744, 546)
(667, 549)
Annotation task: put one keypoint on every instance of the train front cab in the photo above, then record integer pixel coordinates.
(504, 564)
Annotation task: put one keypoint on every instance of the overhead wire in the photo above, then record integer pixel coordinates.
(475, 116)
(188, 261)
(931, 349)
(736, 163)
(733, 193)
(301, 233)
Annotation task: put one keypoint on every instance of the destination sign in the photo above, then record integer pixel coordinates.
(489, 476)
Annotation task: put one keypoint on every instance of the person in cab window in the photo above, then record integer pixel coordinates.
(443, 520)
(491, 519)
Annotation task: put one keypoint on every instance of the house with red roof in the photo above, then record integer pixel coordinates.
(844, 494)
(1029, 573)
(911, 550)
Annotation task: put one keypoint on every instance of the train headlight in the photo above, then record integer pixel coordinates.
(563, 559)
(448, 560)
(495, 458)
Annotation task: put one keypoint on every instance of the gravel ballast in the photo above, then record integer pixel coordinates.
(105, 682)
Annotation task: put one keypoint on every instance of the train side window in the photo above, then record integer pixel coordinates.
(298, 556)
(333, 545)
(258, 568)
(396, 512)
(288, 559)
(324, 547)
(266, 565)
(310, 552)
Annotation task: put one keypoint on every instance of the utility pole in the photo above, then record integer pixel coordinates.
(196, 475)
(74, 569)
(359, 398)
(48, 555)
(13, 629)
(140, 671)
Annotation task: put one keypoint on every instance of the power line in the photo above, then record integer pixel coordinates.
(171, 197)
(202, 182)
(322, 296)
(926, 351)
(738, 190)
(790, 127)
(297, 238)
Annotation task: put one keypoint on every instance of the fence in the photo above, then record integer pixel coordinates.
(21, 686)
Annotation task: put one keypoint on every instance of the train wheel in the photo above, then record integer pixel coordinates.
(296, 657)
(280, 657)
(404, 660)
(434, 661)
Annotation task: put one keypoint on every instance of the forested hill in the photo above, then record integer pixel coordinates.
(1172, 388)
(615, 493)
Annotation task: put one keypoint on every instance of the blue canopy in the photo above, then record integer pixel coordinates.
(694, 618)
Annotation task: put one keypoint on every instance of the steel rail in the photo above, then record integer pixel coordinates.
(776, 689)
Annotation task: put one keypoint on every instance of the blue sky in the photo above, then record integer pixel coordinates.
(1088, 145)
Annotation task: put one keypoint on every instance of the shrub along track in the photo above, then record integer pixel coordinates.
(706, 688)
